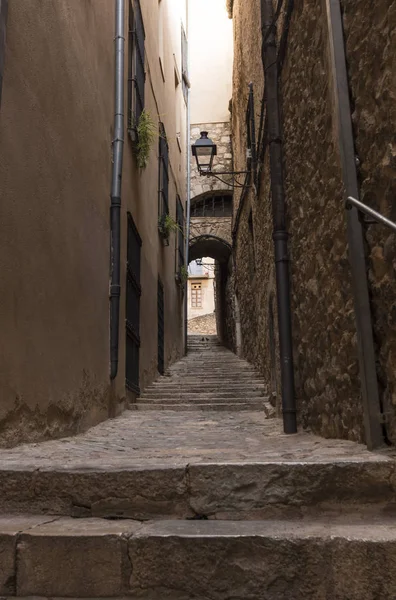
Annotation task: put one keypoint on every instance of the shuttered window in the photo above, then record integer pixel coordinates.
(161, 327)
(184, 62)
(133, 293)
(180, 234)
(136, 71)
(163, 175)
(196, 295)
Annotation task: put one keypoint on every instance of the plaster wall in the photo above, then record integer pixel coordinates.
(55, 164)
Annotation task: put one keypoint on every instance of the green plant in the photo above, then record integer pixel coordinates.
(168, 225)
(183, 274)
(146, 133)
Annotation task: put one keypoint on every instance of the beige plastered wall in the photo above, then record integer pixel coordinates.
(140, 188)
(56, 123)
(211, 49)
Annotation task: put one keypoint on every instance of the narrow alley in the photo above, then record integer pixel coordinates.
(197, 300)
(208, 500)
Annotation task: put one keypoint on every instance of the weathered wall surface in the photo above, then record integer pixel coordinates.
(370, 32)
(217, 226)
(253, 246)
(219, 133)
(56, 122)
(54, 251)
(325, 353)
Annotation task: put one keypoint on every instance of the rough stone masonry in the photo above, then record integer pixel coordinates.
(325, 348)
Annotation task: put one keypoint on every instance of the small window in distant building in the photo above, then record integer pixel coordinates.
(136, 71)
(196, 295)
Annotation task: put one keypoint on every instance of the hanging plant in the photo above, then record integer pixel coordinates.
(183, 274)
(146, 134)
(167, 225)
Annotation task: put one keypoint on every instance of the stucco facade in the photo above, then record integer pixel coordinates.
(328, 385)
(56, 133)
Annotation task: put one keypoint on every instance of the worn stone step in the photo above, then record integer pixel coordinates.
(212, 406)
(346, 559)
(208, 386)
(203, 389)
(203, 394)
(229, 490)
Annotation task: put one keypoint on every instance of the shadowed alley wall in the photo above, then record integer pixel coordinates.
(325, 352)
(56, 137)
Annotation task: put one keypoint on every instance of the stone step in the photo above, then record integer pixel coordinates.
(203, 394)
(212, 406)
(208, 386)
(221, 490)
(345, 559)
(202, 371)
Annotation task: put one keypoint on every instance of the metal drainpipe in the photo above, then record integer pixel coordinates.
(187, 217)
(280, 234)
(115, 207)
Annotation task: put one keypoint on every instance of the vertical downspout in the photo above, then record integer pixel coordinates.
(115, 207)
(280, 234)
(188, 211)
(368, 373)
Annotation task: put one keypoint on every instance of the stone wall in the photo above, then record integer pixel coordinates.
(216, 226)
(219, 133)
(325, 351)
(370, 31)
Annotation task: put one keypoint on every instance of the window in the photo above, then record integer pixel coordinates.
(136, 72)
(180, 234)
(3, 23)
(196, 295)
(184, 51)
(163, 175)
(212, 206)
(178, 102)
(161, 36)
(161, 327)
(133, 293)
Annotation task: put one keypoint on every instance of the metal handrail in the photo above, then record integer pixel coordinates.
(370, 212)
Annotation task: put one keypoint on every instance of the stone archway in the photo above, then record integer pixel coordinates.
(221, 251)
(211, 215)
(210, 245)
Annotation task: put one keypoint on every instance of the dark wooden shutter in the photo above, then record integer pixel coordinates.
(163, 208)
(180, 233)
(136, 60)
(184, 49)
(140, 55)
(3, 25)
(133, 293)
(161, 328)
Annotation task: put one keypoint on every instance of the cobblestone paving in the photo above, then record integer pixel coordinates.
(176, 438)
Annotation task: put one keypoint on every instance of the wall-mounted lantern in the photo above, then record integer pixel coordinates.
(204, 151)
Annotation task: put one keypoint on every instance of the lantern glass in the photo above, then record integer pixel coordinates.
(204, 151)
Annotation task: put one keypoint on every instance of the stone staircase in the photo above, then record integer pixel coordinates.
(187, 504)
(208, 378)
